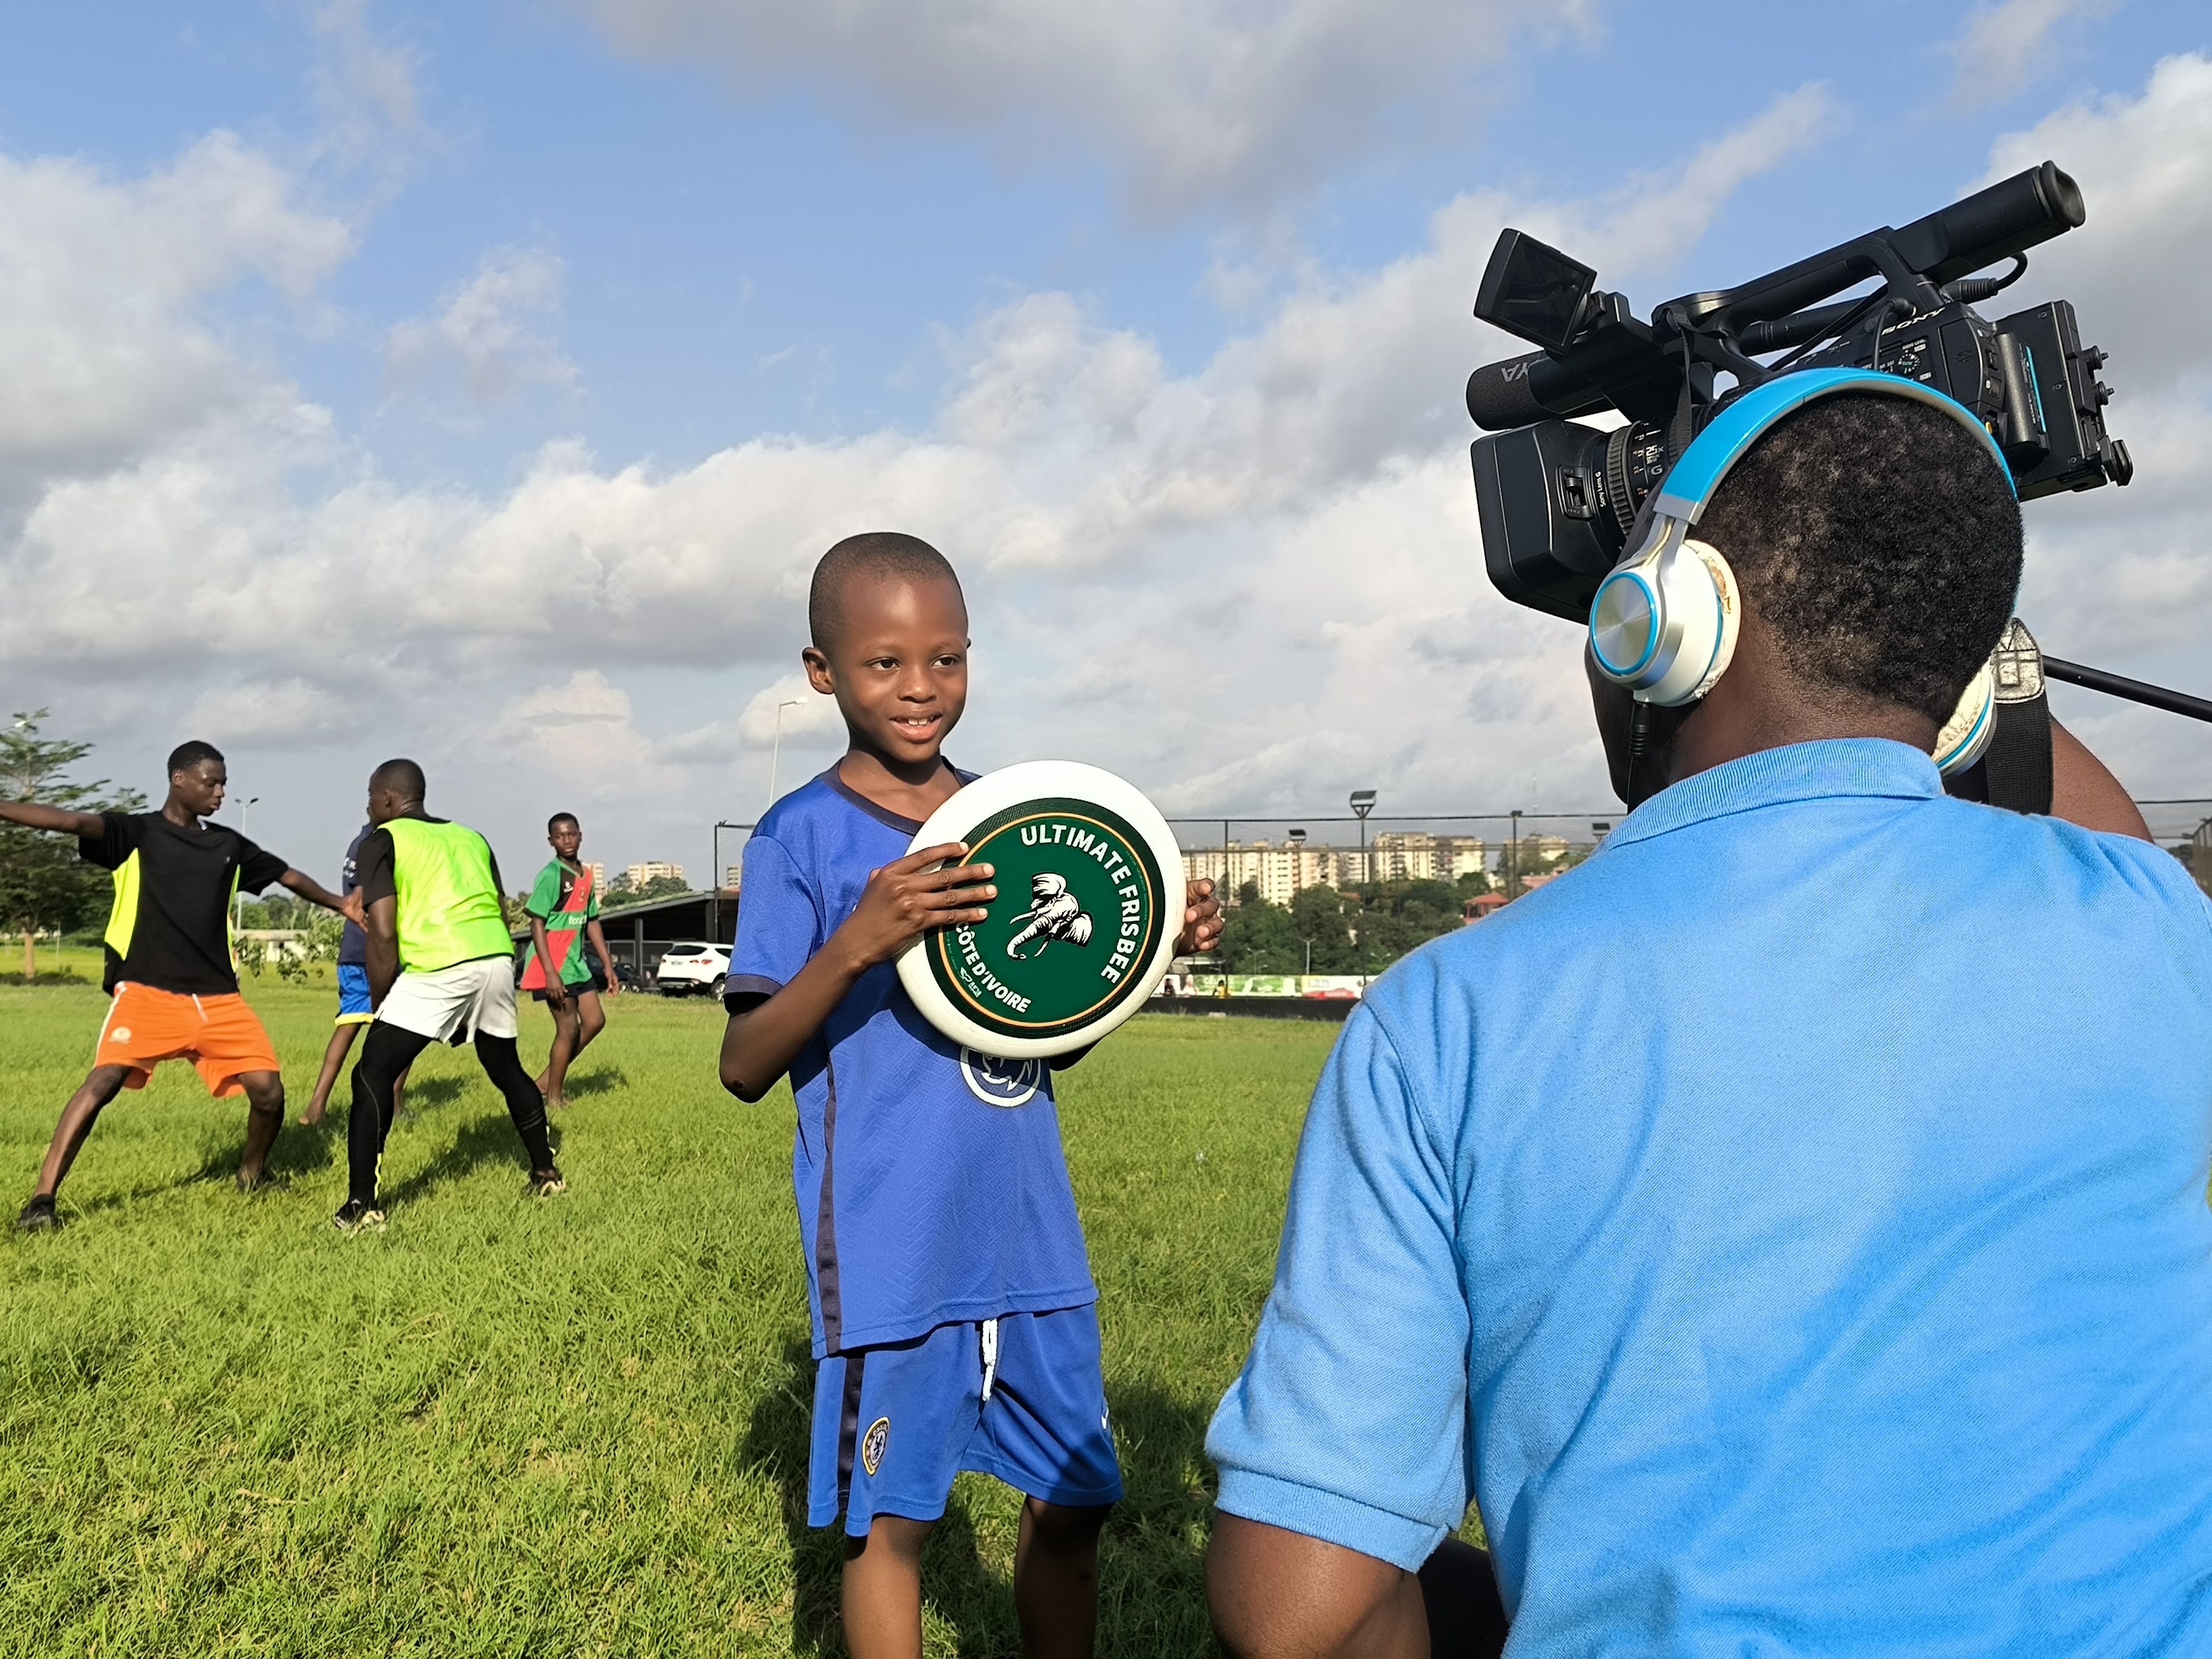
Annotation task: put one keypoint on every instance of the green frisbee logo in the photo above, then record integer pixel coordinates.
(1077, 914)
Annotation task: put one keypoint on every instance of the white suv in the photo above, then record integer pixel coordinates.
(693, 965)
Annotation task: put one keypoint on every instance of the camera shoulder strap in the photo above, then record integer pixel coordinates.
(2015, 773)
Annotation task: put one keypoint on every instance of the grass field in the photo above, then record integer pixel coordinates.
(576, 1426)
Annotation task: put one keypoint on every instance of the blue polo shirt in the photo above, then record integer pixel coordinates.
(931, 1183)
(1790, 1227)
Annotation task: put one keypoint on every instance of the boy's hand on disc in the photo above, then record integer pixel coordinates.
(1201, 919)
(916, 895)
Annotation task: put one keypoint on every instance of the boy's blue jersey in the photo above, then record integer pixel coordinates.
(930, 1180)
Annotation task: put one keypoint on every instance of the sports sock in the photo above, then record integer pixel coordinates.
(388, 1051)
(503, 1065)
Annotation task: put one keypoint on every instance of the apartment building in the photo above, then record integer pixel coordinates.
(638, 874)
(1283, 871)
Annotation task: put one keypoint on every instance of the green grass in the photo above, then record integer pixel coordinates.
(570, 1427)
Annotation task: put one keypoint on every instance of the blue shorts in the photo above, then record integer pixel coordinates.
(892, 1425)
(353, 995)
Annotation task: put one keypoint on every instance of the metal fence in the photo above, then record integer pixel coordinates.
(1281, 855)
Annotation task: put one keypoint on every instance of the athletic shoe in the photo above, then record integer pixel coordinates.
(355, 1216)
(546, 1183)
(37, 1216)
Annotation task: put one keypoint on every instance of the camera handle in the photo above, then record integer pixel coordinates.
(2119, 685)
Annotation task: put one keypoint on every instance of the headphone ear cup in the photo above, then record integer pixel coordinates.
(1704, 616)
(1964, 737)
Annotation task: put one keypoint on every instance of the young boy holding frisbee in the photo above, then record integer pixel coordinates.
(955, 1319)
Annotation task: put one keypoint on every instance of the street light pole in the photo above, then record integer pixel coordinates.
(237, 899)
(1513, 858)
(775, 752)
(714, 893)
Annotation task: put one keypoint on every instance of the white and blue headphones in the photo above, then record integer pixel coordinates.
(1664, 623)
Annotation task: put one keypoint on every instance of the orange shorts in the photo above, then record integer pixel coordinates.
(219, 1035)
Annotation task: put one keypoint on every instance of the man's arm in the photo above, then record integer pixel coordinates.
(901, 901)
(314, 892)
(598, 940)
(58, 820)
(381, 924)
(2083, 791)
(1279, 1594)
(1343, 1446)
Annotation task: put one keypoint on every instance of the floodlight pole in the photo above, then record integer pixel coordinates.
(714, 888)
(1513, 858)
(1363, 803)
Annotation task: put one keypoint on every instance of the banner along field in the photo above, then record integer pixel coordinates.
(569, 1427)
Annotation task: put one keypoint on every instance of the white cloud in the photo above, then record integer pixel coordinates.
(771, 710)
(486, 330)
(364, 84)
(2144, 164)
(1191, 101)
(107, 349)
(2123, 578)
(289, 713)
(2006, 44)
(1249, 586)
(1264, 576)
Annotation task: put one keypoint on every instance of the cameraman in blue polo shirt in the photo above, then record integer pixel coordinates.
(1790, 1227)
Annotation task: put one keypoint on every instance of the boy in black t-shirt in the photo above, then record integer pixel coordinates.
(169, 963)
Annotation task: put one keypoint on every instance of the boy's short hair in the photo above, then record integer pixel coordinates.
(402, 777)
(560, 818)
(1881, 543)
(186, 755)
(877, 553)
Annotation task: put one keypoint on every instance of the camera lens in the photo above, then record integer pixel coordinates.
(1635, 459)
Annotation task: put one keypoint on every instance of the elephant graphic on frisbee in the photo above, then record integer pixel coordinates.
(1054, 914)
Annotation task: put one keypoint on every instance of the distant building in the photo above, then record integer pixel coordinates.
(638, 874)
(1282, 872)
(732, 876)
(1415, 855)
(598, 876)
(2200, 855)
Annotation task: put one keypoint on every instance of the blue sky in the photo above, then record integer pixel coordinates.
(478, 381)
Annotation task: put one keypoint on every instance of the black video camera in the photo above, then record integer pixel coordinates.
(1557, 499)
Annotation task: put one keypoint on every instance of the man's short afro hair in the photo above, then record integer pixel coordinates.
(876, 554)
(1880, 541)
(402, 777)
(186, 755)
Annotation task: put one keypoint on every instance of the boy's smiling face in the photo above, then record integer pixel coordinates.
(897, 664)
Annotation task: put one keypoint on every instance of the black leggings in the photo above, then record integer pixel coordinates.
(387, 1054)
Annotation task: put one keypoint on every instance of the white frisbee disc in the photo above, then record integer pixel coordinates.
(1090, 900)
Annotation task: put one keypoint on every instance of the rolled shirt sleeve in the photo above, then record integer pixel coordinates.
(1349, 1422)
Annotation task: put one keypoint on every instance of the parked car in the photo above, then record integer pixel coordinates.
(693, 965)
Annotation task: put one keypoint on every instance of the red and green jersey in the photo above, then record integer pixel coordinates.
(564, 900)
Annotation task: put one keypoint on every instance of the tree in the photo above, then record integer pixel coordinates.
(44, 886)
(1258, 937)
(621, 895)
(1324, 919)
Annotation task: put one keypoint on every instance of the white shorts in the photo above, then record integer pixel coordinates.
(452, 1005)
